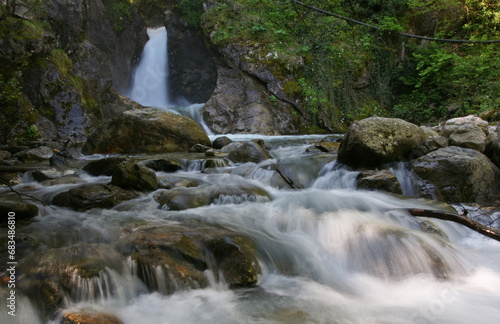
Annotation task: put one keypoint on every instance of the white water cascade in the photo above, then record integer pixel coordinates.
(150, 80)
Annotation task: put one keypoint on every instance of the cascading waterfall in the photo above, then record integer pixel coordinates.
(150, 80)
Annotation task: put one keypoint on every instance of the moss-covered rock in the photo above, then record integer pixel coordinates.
(133, 176)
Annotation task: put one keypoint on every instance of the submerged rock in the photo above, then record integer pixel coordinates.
(457, 175)
(93, 196)
(133, 176)
(375, 141)
(186, 198)
(147, 130)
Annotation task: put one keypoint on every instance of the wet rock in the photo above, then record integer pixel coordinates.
(163, 165)
(456, 174)
(51, 278)
(93, 196)
(39, 154)
(83, 317)
(323, 147)
(68, 179)
(374, 141)
(174, 182)
(57, 160)
(198, 148)
(220, 142)
(242, 152)
(5, 155)
(104, 166)
(22, 210)
(384, 180)
(42, 175)
(186, 198)
(468, 136)
(133, 176)
(453, 124)
(146, 130)
(174, 258)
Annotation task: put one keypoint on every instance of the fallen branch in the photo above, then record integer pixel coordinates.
(287, 179)
(28, 197)
(460, 219)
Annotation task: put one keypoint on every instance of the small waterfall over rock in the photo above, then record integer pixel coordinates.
(150, 80)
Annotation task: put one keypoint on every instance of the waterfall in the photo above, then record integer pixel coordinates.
(150, 80)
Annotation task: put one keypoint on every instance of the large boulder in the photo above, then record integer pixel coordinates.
(90, 196)
(133, 176)
(147, 130)
(468, 136)
(456, 174)
(453, 124)
(375, 141)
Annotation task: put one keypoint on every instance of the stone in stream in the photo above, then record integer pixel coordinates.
(468, 136)
(23, 211)
(147, 130)
(104, 166)
(54, 277)
(242, 152)
(164, 165)
(133, 176)
(374, 141)
(220, 142)
(456, 174)
(174, 258)
(384, 180)
(39, 154)
(90, 196)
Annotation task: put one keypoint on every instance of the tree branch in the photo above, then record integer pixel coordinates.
(29, 197)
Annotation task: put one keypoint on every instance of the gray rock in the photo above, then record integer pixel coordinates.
(242, 152)
(22, 210)
(375, 141)
(104, 166)
(456, 174)
(163, 165)
(451, 125)
(39, 154)
(220, 142)
(468, 136)
(492, 149)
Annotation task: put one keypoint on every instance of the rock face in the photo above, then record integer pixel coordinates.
(249, 98)
(456, 174)
(146, 131)
(68, 60)
(192, 69)
(374, 141)
(90, 196)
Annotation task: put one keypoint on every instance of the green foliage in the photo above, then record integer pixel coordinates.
(119, 13)
(191, 10)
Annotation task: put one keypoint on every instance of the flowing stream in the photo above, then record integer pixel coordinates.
(328, 252)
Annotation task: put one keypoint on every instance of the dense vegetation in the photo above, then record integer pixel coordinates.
(355, 71)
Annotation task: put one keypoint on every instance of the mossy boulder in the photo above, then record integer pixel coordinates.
(147, 130)
(374, 141)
